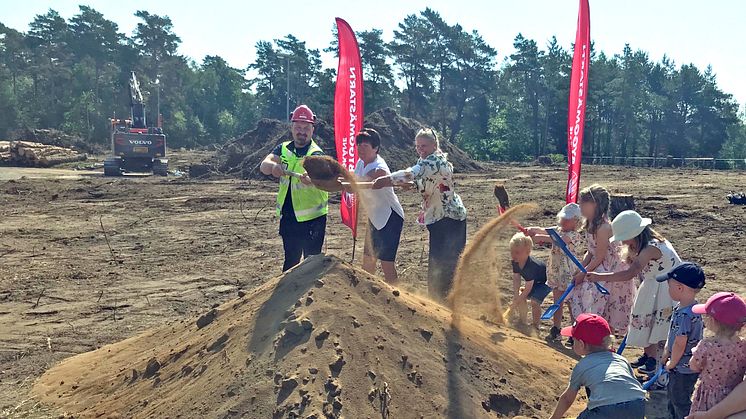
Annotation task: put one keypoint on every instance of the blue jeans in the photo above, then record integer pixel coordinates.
(633, 409)
(680, 388)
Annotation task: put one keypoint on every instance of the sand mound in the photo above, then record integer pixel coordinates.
(241, 156)
(324, 340)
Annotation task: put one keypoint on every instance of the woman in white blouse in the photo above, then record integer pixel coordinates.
(385, 213)
(442, 210)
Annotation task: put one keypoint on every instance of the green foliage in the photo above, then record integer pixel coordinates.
(73, 75)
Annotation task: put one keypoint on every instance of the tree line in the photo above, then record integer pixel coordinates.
(72, 75)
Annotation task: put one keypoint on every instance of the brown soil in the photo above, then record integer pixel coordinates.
(325, 340)
(180, 246)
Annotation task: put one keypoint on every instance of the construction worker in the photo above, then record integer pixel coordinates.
(302, 207)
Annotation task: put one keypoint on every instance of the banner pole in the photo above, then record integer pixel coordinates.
(354, 231)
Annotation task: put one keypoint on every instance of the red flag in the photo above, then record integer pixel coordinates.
(348, 113)
(578, 98)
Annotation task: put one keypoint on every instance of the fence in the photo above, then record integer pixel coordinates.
(693, 162)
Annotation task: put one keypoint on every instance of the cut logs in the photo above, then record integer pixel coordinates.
(4, 151)
(27, 153)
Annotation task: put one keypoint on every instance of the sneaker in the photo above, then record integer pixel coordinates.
(554, 333)
(569, 342)
(640, 361)
(650, 367)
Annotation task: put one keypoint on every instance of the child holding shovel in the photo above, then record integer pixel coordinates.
(561, 269)
(534, 272)
(602, 256)
(649, 254)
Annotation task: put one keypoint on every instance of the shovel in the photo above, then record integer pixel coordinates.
(504, 203)
(622, 346)
(653, 379)
(561, 243)
(556, 306)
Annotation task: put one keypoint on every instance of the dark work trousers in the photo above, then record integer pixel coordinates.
(301, 239)
(680, 389)
(447, 241)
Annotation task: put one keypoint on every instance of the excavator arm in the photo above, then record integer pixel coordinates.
(137, 103)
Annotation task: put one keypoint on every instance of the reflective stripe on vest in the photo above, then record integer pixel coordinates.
(308, 201)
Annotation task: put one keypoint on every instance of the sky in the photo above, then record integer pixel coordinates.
(687, 31)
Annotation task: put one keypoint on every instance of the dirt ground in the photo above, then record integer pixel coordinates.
(89, 261)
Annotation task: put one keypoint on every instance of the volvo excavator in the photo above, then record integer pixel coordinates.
(136, 147)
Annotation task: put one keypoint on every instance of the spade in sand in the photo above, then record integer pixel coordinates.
(324, 339)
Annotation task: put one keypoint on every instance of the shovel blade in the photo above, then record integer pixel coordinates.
(550, 312)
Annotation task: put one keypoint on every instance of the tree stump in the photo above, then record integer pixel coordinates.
(621, 202)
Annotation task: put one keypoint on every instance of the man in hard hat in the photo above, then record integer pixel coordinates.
(302, 207)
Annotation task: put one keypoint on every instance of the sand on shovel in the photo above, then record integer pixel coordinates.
(325, 173)
(324, 340)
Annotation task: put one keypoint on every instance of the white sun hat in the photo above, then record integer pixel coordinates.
(570, 211)
(628, 225)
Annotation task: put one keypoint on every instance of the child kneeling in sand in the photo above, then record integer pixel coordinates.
(534, 272)
(614, 393)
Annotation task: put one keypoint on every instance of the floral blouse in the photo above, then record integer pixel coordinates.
(433, 176)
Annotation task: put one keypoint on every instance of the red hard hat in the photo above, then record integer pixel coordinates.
(303, 114)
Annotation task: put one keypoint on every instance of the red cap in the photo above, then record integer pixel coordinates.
(303, 114)
(590, 328)
(725, 307)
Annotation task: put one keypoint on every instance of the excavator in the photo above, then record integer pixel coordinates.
(136, 147)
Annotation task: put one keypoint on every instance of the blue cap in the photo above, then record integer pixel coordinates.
(688, 273)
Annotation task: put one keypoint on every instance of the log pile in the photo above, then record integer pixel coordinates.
(4, 151)
(31, 154)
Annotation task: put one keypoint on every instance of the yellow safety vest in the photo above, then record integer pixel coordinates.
(308, 201)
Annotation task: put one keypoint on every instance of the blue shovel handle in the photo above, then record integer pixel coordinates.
(653, 379)
(561, 243)
(622, 346)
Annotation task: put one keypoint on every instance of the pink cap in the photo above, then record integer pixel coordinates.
(726, 307)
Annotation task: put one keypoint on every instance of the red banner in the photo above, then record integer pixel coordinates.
(578, 97)
(348, 113)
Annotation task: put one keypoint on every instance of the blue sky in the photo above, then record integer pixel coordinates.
(688, 31)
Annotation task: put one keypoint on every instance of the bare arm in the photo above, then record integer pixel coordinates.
(526, 290)
(565, 401)
(648, 254)
(602, 246)
(734, 403)
(679, 346)
(272, 165)
(374, 174)
(383, 182)
(579, 277)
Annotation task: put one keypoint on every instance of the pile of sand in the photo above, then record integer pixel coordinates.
(323, 340)
(241, 156)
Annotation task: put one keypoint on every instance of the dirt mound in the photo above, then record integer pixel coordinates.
(241, 156)
(324, 340)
